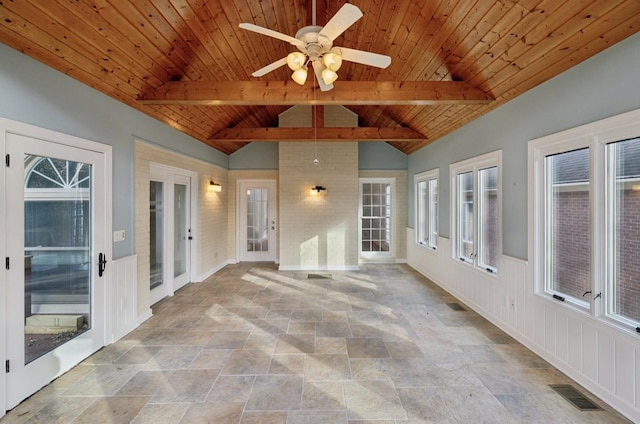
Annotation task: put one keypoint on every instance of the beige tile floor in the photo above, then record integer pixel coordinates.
(254, 345)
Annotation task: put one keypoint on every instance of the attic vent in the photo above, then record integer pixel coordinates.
(574, 397)
(318, 276)
(456, 306)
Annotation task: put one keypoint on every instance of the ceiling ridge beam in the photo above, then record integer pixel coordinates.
(262, 93)
(320, 134)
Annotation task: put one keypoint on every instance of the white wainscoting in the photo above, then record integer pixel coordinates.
(603, 358)
(124, 283)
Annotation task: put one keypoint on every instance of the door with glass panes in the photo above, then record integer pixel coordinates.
(56, 241)
(257, 210)
(376, 223)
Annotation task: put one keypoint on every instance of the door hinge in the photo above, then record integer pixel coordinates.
(6, 262)
(6, 366)
(7, 159)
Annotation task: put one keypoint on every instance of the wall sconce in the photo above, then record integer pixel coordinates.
(213, 186)
(635, 187)
(317, 189)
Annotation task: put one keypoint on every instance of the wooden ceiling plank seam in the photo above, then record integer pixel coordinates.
(549, 43)
(424, 47)
(473, 59)
(190, 41)
(508, 54)
(236, 38)
(151, 29)
(214, 56)
(376, 38)
(57, 47)
(358, 36)
(464, 31)
(168, 65)
(581, 46)
(458, 15)
(118, 46)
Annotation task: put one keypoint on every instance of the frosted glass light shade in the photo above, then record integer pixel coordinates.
(332, 61)
(300, 75)
(295, 60)
(329, 76)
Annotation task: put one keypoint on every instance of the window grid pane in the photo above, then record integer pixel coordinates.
(433, 213)
(625, 220)
(376, 213)
(465, 216)
(422, 218)
(567, 235)
(257, 220)
(488, 218)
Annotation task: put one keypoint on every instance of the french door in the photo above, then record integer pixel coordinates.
(56, 243)
(170, 234)
(257, 218)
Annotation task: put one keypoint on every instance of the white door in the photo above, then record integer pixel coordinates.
(57, 247)
(257, 220)
(376, 218)
(170, 217)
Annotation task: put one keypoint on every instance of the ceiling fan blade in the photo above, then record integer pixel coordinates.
(317, 69)
(270, 67)
(271, 33)
(366, 58)
(343, 19)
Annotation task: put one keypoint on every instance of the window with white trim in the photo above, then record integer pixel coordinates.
(585, 197)
(426, 184)
(475, 209)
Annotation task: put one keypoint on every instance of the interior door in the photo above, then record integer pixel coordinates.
(257, 220)
(56, 237)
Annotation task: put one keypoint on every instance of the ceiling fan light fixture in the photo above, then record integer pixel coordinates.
(300, 75)
(329, 76)
(296, 60)
(332, 60)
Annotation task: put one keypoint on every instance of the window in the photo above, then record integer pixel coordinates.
(427, 209)
(476, 210)
(585, 201)
(376, 233)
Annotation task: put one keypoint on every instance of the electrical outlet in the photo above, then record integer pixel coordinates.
(118, 235)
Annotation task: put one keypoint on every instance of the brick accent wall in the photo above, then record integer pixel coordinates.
(210, 232)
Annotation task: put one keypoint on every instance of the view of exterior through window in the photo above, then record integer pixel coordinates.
(427, 209)
(376, 217)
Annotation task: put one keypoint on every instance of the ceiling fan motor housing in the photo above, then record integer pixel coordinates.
(314, 46)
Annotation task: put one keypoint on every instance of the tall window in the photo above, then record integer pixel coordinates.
(586, 210)
(427, 208)
(476, 210)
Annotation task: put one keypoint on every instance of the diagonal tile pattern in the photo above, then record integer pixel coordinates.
(255, 345)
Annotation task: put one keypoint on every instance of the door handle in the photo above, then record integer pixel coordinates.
(102, 261)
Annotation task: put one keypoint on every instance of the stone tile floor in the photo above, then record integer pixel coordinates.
(255, 345)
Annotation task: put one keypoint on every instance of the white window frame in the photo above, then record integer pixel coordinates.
(424, 213)
(596, 136)
(475, 165)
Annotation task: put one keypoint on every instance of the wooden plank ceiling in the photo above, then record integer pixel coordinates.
(188, 64)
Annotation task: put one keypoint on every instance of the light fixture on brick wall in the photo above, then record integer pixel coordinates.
(213, 186)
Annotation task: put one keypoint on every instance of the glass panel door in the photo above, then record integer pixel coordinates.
(257, 221)
(56, 243)
(181, 231)
(156, 234)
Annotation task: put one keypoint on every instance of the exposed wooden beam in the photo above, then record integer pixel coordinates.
(321, 134)
(218, 93)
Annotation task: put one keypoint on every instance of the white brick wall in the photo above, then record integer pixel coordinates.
(321, 231)
(210, 234)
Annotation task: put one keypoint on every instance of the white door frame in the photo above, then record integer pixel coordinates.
(13, 127)
(378, 256)
(168, 175)
(241, 187)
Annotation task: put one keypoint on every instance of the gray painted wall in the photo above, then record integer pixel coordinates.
(380, 156)
(33, 93)
(255, 156)
(600, 87)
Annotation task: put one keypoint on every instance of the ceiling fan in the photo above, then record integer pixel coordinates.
(316, 47)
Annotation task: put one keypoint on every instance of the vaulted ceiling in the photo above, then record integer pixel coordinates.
(188, 64)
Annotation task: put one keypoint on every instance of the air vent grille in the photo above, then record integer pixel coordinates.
(574, 397)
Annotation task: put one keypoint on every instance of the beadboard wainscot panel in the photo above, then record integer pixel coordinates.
(124, 283)
(597, 355)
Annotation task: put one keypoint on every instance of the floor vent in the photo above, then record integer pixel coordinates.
(456, 306)
(319, 276)
(574, 397)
